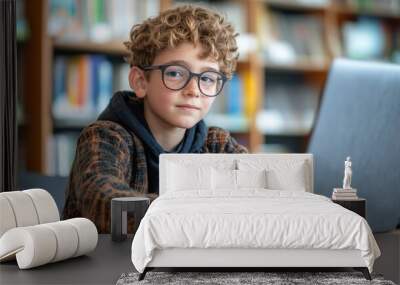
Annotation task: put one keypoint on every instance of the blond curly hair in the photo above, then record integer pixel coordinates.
(187, 23)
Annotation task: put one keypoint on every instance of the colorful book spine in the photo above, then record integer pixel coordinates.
(234, 102)
(250, 94)
(97, 20)
(82, 86)
(105, 77)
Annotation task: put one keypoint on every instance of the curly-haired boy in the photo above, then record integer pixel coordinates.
(180, 61)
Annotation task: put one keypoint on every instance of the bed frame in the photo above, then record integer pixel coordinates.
(246, 259)
(249, 259)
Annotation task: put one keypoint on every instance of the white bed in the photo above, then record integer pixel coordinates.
(247, 210)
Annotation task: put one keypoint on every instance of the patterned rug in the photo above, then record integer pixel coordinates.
(242, 278)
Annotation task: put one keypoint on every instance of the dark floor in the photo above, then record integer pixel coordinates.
(389, 262)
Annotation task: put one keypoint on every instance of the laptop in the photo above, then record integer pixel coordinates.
(359, 116)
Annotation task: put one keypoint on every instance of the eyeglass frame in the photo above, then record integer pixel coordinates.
(162, 67)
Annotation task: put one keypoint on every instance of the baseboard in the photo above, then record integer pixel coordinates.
(389, 262)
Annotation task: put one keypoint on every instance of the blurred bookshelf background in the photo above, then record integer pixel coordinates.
(71, 60)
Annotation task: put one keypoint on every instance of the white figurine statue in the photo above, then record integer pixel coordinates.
(347, 174)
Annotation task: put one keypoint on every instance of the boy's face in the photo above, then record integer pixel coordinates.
(182, 108)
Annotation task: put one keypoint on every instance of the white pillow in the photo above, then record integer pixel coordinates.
(293, 179)
(184, 177)
(223, 179)
(281, 174)
(251, 178)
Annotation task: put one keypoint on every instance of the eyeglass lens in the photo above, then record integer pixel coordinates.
(176, 77)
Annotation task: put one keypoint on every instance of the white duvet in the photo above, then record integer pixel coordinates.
(252, 218)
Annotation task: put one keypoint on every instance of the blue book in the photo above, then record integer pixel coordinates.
(105, 78)
(59, 88)
(94, 78)
(234, 94)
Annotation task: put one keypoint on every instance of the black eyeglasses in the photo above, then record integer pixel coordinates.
(176, 77)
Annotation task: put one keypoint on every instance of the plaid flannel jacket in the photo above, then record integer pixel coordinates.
(110, 162)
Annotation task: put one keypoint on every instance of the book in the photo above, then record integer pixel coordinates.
(345, 194)
(250, 102)
(341, 190)
(97, 20)
(105, 77)
(379, 6)
(345, 198)
(228, 110)
(287, 38)
(82, 88)
(234, 95)
(288, 108)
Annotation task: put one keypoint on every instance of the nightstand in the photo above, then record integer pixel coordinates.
(358, 205)
(120, 207)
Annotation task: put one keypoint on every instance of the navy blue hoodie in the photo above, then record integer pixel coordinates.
(130, 114)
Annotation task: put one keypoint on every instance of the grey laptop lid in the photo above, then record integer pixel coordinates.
(360, 117)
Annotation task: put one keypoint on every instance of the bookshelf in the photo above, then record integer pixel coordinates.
(292, 65)
(44, 50)
(281, 79)
(298, 67)
(112, 47)
(296, 55)
(39, 51)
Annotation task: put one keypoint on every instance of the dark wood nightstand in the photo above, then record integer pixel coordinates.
(358, 205)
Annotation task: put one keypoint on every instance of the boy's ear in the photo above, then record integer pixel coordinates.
(137, 81)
